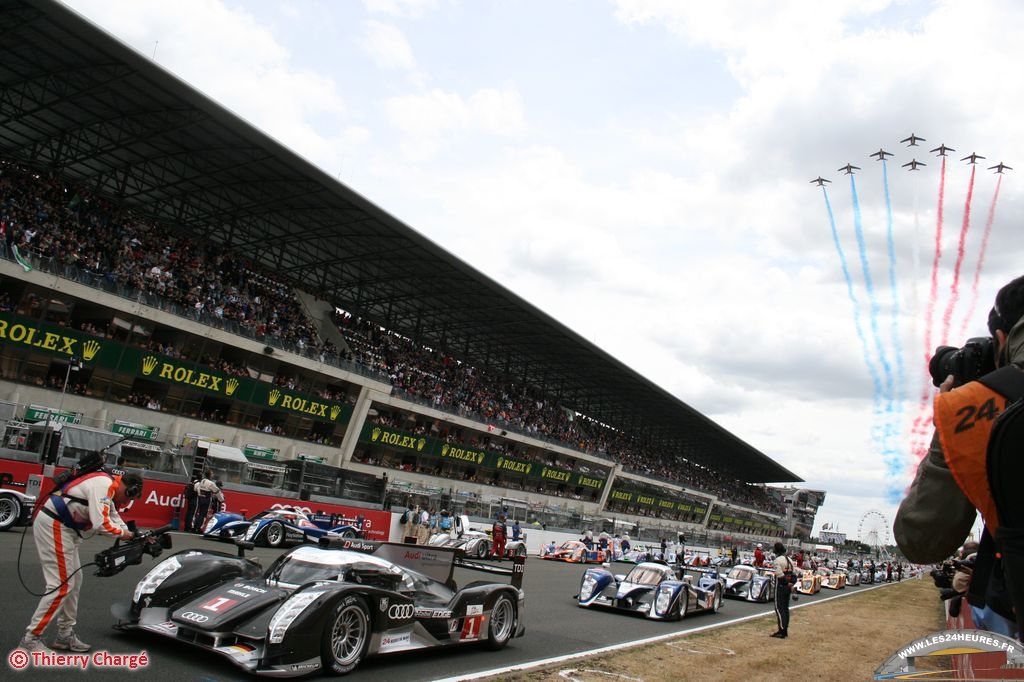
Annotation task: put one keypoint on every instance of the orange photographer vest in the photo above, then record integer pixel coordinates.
(964, 418)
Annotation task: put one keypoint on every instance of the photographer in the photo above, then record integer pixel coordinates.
(952, 480)
(85, 505)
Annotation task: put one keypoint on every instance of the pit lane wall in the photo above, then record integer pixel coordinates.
(161, 502)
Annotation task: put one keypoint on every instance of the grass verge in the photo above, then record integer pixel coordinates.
(843, 639)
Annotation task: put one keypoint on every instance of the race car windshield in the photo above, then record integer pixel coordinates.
(296, 570)
(645, 576)
(741, 574)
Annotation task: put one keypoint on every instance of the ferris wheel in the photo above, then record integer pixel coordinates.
(873, 530)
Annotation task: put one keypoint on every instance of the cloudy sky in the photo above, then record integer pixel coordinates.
(639, 169)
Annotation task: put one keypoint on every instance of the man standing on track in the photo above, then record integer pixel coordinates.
(784, 580)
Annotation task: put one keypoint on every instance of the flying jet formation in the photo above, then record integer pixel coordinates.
(913, 140)
(881, 154)
(999, 167)
(848, 168)
(973, 158)
(942, 149)
(914, 163)
(820, 181)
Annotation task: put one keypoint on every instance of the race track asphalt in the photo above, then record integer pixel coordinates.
(555, 626)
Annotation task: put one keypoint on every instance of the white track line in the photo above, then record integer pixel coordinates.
(640, 642)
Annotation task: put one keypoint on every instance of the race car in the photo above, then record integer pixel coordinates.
(750, 583)
(15, 508)
(575, 552)
(809, 583)
(277, 527)
(852, 577)
(475, 543)
(833, 580)
(325, 607)
(653, 589)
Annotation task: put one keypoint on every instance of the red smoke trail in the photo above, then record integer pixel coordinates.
(981, 257)
(954, 292)
(919, 428)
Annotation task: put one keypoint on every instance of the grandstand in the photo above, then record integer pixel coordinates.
(219, 288)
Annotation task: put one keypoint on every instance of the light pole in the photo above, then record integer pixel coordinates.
(74, 364)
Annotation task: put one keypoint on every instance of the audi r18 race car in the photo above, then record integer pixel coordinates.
(809, 583)
(475, 543)
(15, 508)
(575, 552)
(324, 607)
(277, 527)
(750, 583)
(653, 589)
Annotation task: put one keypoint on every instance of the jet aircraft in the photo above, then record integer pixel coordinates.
(881, 154)
(848, 169)
(913, 140)
(999, 167)
(914, 163)
(820, 181)
(942, 149)
(973, 158)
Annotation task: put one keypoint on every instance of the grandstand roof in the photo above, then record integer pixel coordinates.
(75, 99)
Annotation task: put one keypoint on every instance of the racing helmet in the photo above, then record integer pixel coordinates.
(759, 545)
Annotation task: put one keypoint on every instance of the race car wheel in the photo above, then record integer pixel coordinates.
(481, 550)
(521, 550)
(349, 534)
(346, 637)
(503, 622)
(274, 534)
(10, 512)
(717, 603)
(683, 605)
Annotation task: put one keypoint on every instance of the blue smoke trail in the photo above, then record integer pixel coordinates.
(888, 456)
(897, 418)
(876, 380)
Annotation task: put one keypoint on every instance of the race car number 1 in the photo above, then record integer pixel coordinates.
(471, 627)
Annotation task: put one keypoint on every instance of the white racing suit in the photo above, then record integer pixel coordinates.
(57, 546)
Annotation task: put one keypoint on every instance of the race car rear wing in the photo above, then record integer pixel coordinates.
(436, 562)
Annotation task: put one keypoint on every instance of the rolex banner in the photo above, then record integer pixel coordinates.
(97, 351)
(399, 441)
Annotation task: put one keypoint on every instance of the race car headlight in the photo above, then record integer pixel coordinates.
(251, 532)
(210, 525)
(287, 613)
(156, 577)
(663, 600)
(587, 586)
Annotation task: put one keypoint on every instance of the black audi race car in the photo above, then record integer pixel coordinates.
(324, 607)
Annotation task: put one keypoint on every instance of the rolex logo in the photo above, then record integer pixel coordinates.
(149, 363)
(231, 386)
(90, 348)
(335, 411)
(375, 434)
(273, 397)
(480, 458)
(444, 449)
(420, 444)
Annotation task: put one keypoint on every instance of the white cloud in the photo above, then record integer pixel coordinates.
(388, 47)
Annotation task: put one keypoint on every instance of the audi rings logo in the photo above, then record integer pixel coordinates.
(401, 611)
(194, 617)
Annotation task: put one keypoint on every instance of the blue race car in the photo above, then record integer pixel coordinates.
(752, 583)
(278, 527)
(653, 589)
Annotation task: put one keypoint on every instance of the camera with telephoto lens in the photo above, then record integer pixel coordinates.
(976, 359)
(115, 559)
